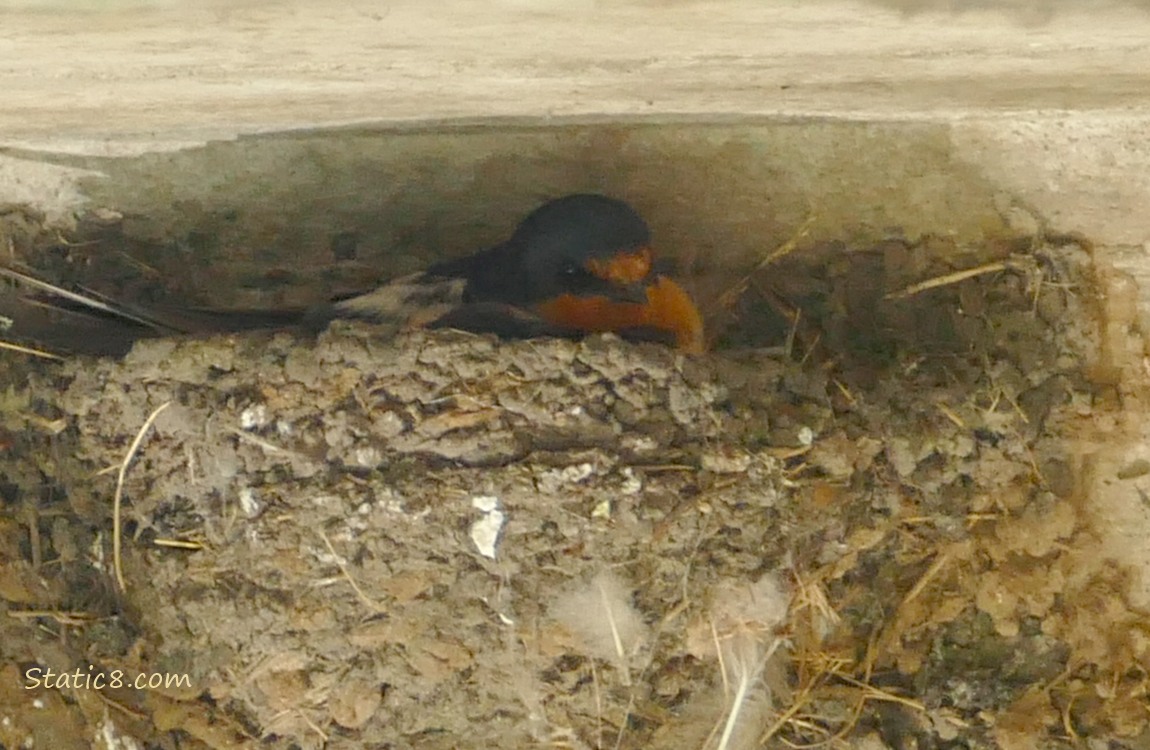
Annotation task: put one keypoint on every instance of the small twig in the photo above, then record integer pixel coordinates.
(28, 350)
(663, 468)
(363, 597)
(177, 544)
(1017, 409)
(269, 447)
(729, 297)
(789, 346)
(626, 720)
(969, 518)
(786, 454)
(314, 727)
(792, 710)
(845, 391)
(110, 703)
(950, 278)
(811, 349)
(31, 518)
(924, 580)
(952, 416)
(878, 694)
(1068, 723)
(64, 618)
(119, 496)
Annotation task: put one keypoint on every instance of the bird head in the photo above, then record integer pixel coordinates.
(588, 265)
(586, 245)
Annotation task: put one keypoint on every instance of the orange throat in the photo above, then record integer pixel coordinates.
(669, 308)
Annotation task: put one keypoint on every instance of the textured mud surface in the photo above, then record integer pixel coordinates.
(876, 531)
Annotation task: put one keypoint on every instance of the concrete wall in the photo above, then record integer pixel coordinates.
(1050, 100)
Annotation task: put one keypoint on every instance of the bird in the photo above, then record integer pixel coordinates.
(576, 265)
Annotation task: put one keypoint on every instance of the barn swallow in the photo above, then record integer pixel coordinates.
(576, 265)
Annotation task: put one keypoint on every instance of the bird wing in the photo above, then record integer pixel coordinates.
(407, 302)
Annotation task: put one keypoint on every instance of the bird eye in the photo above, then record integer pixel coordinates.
(575, 278)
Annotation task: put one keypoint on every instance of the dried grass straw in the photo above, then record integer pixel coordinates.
(119, 496)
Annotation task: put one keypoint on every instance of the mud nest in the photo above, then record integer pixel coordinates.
(872, 533)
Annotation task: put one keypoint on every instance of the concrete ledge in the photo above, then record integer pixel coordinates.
(157, 74)
(1056, 113)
